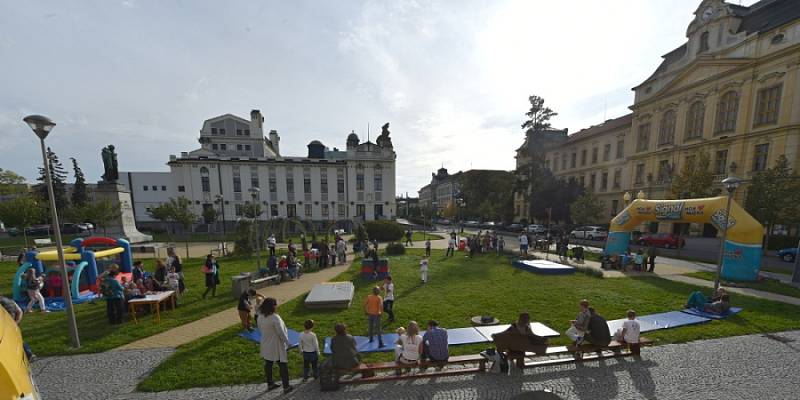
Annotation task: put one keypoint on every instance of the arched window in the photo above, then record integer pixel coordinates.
(703, 43)
(727, 109)
(205, 182)
(666, 132)
(694, 120)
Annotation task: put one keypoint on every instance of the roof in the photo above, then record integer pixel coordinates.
(607, 126)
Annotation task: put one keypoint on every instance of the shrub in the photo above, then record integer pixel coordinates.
(384, 231)
(395, 249)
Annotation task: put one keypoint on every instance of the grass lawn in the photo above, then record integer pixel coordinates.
(420, 237)
(47, 333)
(766, 286)
(458, 289)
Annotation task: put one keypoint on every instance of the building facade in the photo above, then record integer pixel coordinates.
(442, 190)
(236, 164)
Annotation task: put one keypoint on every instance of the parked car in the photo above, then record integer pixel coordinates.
(38, 230)
(12, 232)
(537, 229)
(489, 225)
(514, 228)
(667, 240)
(472, 223)
(74, 229)
(589, 232)
(788, 254)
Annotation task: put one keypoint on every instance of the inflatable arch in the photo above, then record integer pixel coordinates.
(742, 256)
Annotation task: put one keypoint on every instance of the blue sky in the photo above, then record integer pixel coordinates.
(452, 77)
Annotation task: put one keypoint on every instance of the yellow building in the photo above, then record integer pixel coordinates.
(732, 91)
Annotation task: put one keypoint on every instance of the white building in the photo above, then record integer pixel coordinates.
(235, 157)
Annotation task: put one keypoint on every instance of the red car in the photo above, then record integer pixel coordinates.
(667, 240)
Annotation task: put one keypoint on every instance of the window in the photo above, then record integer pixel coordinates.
(181, 189)
(547, 163)
(325, 211)
(306, 180)
(591, 181)
(583, 157)
(238, 132)
(617, 179)
(342, 211)
(583, 181)
(221, 131)
(604, 181)
(703, 43)
(254, 182)
(273, 210)
(666, 132)
(639, 176)
(145, 188)
(572, 160)
(607, 152)
(727, 109)
(339, 180)
(614, 206)
(223, 146)
(308, 210)
(214, 146)
(239, 147)
(155, 188)
(291, 210)
(289, 181)
(378, 210)
(767, 105)
(620, 149)
(323, 181)
(163, 188)
(694, 120)
(247, 147)
(760, 157)
(213, 131)
(238, 210)
(564, 162)
(361, 210)
(273, 181)
(594, 155)
(664, 171)
(247, 132)
(643, 137)
(237, 180)
(721, 162)
(555, 164)
(205, 182)
(378, 180)
(359, 177)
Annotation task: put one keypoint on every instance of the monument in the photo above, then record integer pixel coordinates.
(384, 140)
(123, 225)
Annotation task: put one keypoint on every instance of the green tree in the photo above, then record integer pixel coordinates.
(184, 216)
(10, 181)
(695, 179)
(487, 194)
(210, 215)
(21, 212)
(59, 176)
(538, 115)
(79, 195)
(586, 209)
(102, 212)
(773, 196)
(162, 213)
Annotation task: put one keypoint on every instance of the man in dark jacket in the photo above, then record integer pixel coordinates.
(598, 334)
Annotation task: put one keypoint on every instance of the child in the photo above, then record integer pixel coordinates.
(638, 260)
(423, 269)
(580, 323)
(398, 348)
(629, 333)
(244, 307)
(173, 280)
(309, 346)
(428, 248)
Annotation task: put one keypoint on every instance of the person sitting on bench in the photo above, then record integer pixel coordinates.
(580, 323)
(629, 333)
(523, 326)
(698, 300)
(435, 343)
(343, 350)
(598, 333)
(411, 343)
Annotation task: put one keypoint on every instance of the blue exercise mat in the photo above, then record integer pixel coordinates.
(57, 303)
(672, 319)
(700, 313)
(255, 335)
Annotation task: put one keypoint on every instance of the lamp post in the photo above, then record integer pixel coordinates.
(627, 198)
(461, 203)
(42, 126)
(221, 201)
(254, 191)
(731, 183)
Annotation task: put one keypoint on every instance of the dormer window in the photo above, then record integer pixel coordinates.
(777, 39)
(703, 43)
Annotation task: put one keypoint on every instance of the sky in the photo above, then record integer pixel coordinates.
(452, 77)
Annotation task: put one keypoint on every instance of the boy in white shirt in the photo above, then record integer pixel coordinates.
(629, 333)
(309, 347)
(451, 246)
(423, 269)
(173, 280)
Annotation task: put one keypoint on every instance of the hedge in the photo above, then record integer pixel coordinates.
(384, 231)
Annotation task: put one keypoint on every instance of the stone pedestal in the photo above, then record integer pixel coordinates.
(125, 225)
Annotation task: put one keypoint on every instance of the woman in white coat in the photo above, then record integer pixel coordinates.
(274, 342)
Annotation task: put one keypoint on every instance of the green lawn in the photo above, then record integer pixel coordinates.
(458, 289)
(420, 237)
(766, 285)
(47, 333)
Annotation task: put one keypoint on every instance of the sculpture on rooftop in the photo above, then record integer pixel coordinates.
(384, 140)
(110, 166)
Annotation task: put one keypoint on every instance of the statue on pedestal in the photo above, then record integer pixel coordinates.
(110, 166)
(384, 140)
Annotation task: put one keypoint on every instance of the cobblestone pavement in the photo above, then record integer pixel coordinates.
(747, 367)
(95, 376)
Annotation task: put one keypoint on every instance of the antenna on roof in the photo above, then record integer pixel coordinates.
(368, 131)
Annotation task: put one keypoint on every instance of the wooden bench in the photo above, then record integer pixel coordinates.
(265, 281)
(367, 371)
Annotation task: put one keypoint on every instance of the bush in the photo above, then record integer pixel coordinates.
(395, 249)
(243, 242)
(384, 231)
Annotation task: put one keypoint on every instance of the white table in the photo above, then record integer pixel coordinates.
(154, 299)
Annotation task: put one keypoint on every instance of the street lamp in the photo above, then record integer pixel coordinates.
(42, 126)
(461, 203)
(627, 197)
(641, 195)
(254, 191)
(731, 183)
(221, 201)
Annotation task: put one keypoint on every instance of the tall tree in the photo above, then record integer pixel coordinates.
(586, 209)
(59, 177)
(773, 196)
(183, 215)
(79, 195)
(21, 212)
(487, 195)
(163, 214)
(695, 179)
(101, 213)
(9, 181)
(538, 115)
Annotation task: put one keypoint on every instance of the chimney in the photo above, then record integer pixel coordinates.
(256, 119)
(275, 140)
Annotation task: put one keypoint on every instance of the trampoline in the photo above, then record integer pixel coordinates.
(543, 267)
(330, 295)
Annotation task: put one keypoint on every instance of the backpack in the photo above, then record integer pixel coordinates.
(328, 379)
(498, 359)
